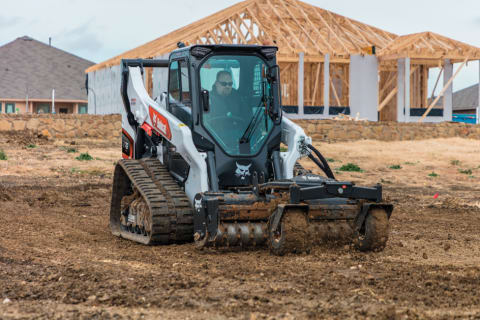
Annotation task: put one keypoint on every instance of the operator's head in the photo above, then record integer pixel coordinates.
(224, 83)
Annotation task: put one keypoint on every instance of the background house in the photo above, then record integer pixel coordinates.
(32, 73)
(465, 101)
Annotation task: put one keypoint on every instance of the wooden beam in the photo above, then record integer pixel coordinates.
(313, 27)
(443, 91)
(393, 92)
(330, 29)
(388, 98)
(313, 59)
(315, 87)
(335, 92)
(436, 83)
(320, 50)
(260, 25)
(284, 70)
(238, 31)
(305, 50)
(250, 29)
(340, 29)
(388, 83)
(224, 34)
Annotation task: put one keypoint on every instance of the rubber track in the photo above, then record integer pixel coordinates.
(172, 217)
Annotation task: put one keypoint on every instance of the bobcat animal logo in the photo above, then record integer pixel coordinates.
(198, 204)
(242, 171)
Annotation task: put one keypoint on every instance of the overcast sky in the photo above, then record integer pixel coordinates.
(100, 29)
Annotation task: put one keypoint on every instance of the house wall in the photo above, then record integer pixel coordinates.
(104, 91)
(466, 111)
(20, 106)
(33, 106)
(104, 88)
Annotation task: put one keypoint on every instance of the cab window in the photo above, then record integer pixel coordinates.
(185, 84)
(174, 81)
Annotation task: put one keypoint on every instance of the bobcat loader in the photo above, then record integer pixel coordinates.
(214, 161)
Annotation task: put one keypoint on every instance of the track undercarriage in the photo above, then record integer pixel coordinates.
(149, 207)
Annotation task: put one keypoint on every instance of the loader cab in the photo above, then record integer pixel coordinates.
(229, 95)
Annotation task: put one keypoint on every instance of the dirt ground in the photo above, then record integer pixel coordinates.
(58, 259)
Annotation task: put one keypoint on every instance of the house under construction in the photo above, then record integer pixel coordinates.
(330, 64)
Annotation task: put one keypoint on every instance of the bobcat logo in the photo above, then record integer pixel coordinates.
(198, 204)
(242, 171)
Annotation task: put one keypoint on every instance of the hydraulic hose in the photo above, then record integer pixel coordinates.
(325, 167)
(317, 162)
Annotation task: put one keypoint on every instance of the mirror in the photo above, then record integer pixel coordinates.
(273, 77)
(205, 100)
(273, 73)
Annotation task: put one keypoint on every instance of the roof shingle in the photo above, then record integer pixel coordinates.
(28, 66)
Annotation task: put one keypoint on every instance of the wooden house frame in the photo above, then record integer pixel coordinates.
(316, 48)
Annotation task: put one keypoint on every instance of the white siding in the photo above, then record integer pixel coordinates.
(104, 94)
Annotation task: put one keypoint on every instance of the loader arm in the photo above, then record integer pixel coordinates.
(144, 110)
(295, 138)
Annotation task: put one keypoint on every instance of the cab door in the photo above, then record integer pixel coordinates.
(180, 98)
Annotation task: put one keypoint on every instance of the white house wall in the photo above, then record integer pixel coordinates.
(160, 79)
(104, 91)
(364, 87)
(104, 88)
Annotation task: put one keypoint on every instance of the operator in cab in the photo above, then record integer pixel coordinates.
(225, 100)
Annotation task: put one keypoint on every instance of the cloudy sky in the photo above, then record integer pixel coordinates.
(100, 29)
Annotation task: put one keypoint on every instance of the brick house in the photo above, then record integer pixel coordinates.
(38, 78)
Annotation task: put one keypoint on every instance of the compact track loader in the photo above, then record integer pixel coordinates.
(204, 162)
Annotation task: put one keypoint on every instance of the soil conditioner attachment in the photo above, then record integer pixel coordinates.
(203, 163)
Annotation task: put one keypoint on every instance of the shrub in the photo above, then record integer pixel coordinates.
(350, 167)
(395, 167)
(3, 155)
(433, 174)
(466, 171)
(84, 157)
(31, 146)
(455, 162)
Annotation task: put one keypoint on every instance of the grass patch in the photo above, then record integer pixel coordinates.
(351, 167)
(455, 162)
(69, 149)
(433, 174)
(331, 160)
(3, 155)
(466, 171)
(84, 157)
(31, 146)
(408, 163)
(395, 167)
(283, 149)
